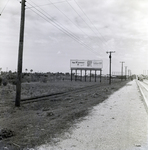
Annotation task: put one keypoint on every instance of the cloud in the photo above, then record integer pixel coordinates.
(59, 52)
(118, 25)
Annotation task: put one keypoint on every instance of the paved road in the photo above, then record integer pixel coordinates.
(119, 123)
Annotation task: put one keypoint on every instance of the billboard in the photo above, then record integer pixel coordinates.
(86, 64)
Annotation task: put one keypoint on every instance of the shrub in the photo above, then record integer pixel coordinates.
(0, 81)
(44, 80)
(5, 83)
(14, 82)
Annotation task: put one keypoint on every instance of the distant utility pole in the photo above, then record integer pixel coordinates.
(20, 55)
(122, 69)
(125, 72)
(110, 56)
(128, 73)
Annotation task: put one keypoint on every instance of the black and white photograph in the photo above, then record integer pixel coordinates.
(73, 75)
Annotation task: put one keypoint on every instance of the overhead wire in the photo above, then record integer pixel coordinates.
(90, 22)
(72, 21)
(80, 42)
(45, 5)
(51, 3)
(60, 27)
(4, 8)
(84, 21)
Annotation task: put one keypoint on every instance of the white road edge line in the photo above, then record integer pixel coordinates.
(144, 86)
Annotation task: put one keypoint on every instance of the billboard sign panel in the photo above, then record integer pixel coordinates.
(86, 64)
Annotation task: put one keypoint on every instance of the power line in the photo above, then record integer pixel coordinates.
(84, 20)
(45, 4)
(71, 21)
(91, 22)
(79, 15)
(4, 8)
(60, 27)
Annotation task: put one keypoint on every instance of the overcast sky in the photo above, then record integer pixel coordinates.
(59, 30)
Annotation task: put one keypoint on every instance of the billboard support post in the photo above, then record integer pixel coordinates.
(81, 75)
(90, 65)
(95, 75)
(85, 75)
(100, 74)
(76, 76)
(90, 76)
(71, 74)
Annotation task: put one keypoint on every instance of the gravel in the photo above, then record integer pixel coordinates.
(118, 123)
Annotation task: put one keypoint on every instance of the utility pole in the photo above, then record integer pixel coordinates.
(129, 73)
(125, 72)
(122, 69)
(20, 55)
(110, 56)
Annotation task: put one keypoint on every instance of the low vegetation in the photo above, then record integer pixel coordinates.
(40, 122)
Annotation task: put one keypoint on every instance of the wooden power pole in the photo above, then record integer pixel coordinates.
(110, 56)
(122, 70)
(125, 72)
(20, 55)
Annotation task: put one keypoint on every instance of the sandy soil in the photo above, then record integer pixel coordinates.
(42, 122)
(118, 123)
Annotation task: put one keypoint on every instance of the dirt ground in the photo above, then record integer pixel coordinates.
(41, 122)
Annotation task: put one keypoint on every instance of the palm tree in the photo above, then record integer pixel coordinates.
(31, 70)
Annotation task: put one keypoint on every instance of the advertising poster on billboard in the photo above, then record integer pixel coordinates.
(86, 64)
